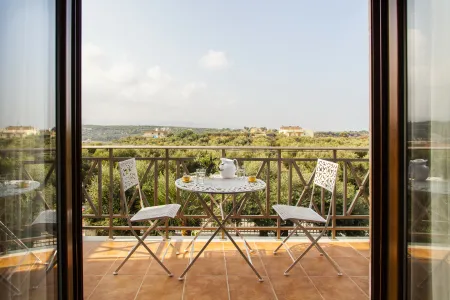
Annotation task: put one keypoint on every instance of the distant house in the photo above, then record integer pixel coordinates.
(157, 133)
(292, 130)
(18, 131)
(258, 131)
(45, 132)
(307, 132)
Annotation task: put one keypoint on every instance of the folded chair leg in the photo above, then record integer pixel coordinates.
(285, 240)
(141, 241)
(170, 242)
(336, 267)
(314, 242)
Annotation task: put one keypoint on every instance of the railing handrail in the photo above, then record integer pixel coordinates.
(225, 147)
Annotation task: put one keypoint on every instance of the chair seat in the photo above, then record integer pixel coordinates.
(156, 212)
(287, 212)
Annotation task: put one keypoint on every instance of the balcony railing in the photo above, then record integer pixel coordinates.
(286, 170)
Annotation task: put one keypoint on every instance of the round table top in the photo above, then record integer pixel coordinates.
(221, 186)
(17, 187)
(435, 185)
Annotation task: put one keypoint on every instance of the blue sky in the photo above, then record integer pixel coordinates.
(195, 63)
(227, 63)
(27, 95)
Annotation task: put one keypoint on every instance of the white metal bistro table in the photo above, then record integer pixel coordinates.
(220, 186)
(17, 187)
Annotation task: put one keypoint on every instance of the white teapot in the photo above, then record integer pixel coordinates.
(228, 168)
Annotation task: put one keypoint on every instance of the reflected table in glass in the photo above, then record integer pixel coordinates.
(220, 186)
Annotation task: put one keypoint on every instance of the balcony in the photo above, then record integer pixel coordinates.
(287, 172)
(219, 271)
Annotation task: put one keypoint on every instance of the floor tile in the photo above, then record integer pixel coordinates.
(339, 250)
(338, 288)
(175, 266)
(238, 266)
(294, 288)
(90, 282)
(97, 266)
(318, 266)
(362, 248)
(208, 266)
(133, 266)
(277, 266)
(362, 282)
(122, 287)
(160, 287)
(108, 249)
(353, 266)
(206, 288)
(248, 287)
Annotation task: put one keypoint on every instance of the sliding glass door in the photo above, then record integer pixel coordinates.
(428, 149)
(28, 202)
(38, 150)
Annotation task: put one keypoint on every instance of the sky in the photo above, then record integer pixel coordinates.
(199, 63)
(226, 64)
(27, 76)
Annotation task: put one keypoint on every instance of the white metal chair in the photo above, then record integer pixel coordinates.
(154, 214)
(324, 176)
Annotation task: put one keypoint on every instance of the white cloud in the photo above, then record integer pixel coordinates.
(90, 50)
(192, 88)
(122, 73)
(214, 60)
(127, 92)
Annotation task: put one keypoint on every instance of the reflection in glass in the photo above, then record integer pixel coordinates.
(428, 149)
(27, 150)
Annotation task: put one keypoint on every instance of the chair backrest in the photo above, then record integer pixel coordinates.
(326, 173)
(128, 179)
(324, 176)
(128, 174)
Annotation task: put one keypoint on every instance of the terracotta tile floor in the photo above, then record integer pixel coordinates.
(220, 272)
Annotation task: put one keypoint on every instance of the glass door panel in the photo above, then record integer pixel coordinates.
(27, 150)
(428, 127)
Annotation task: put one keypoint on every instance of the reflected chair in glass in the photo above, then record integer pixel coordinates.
(325, 177)
(46, 222)
(151, 214)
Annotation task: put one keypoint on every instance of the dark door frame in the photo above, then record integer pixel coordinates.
(388, 151)
(387, 125)
(68, 146)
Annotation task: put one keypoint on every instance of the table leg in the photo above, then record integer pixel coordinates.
(220, 227)
(195, 238)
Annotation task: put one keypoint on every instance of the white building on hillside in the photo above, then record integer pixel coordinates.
(157, 133)
(295, 131)
(291, 130)
(18, 131)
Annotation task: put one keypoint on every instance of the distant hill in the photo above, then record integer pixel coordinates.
(108, 133)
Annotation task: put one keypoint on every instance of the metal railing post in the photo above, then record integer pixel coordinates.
(110, 197)
(278, 190)
(333, 218)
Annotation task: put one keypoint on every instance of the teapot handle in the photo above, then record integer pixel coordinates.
(237, 163)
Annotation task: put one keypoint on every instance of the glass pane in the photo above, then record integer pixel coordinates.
(27, 150)
(428, 149)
